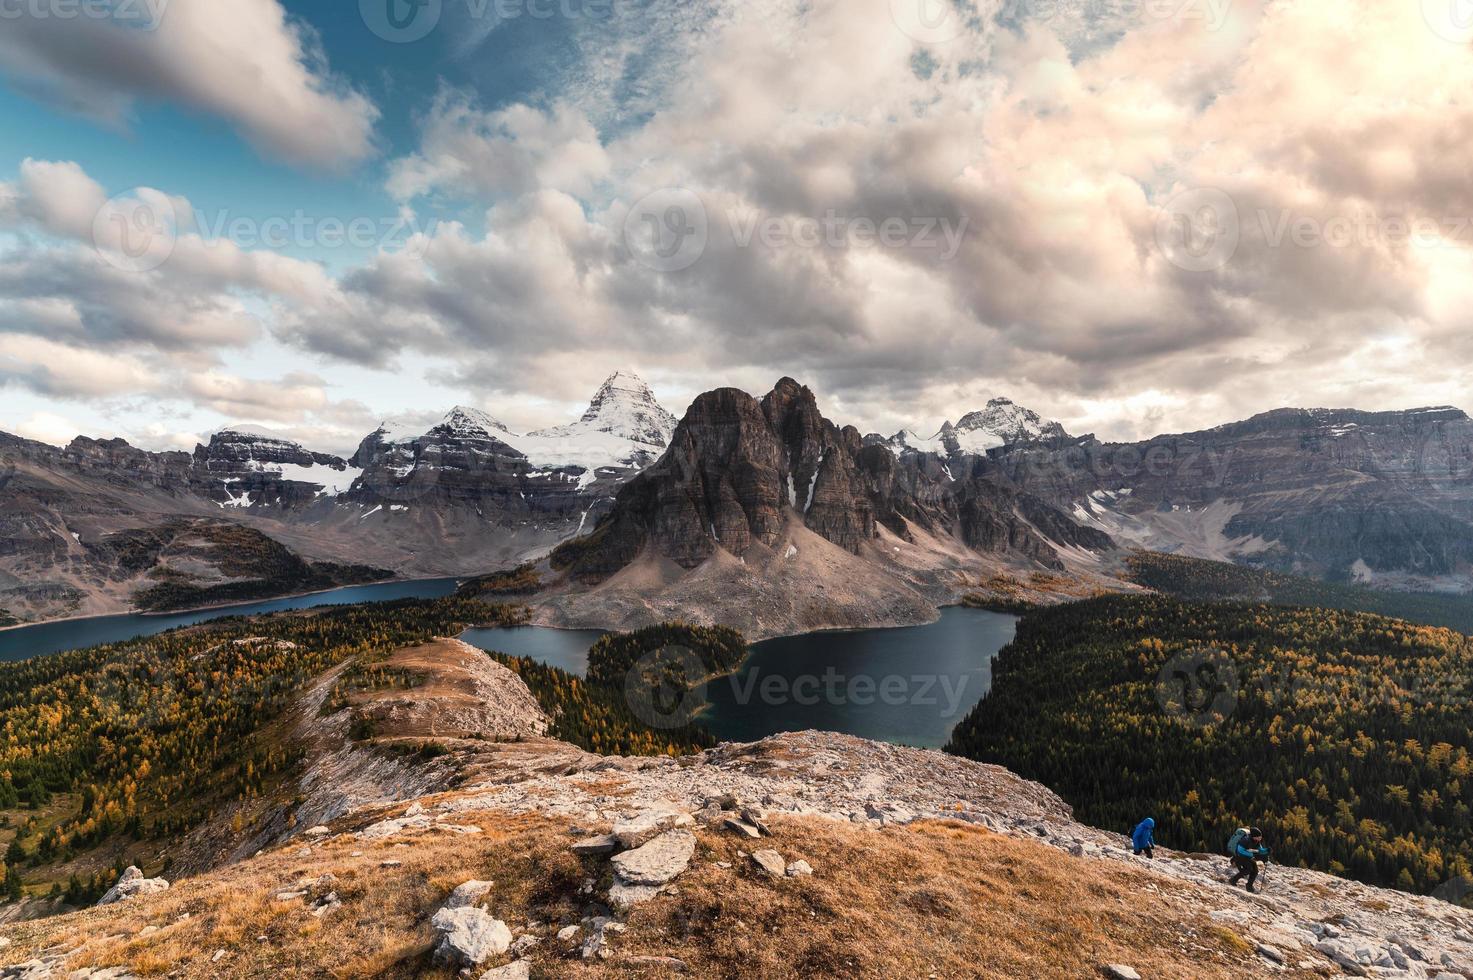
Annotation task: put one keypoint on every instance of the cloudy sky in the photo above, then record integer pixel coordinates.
(1131, 215)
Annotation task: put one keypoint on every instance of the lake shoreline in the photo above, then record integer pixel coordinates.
(191, 610)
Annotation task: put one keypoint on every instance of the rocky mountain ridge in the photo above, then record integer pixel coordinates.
(1384, 498)
(638, 845)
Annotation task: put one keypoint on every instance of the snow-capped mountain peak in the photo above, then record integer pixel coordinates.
(464, 421)
(1002, 423)
(623, 406)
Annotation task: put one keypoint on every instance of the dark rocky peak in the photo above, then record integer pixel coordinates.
(1340, 421)
(244, 446)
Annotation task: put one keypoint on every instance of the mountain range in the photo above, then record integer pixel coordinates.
(761, 508)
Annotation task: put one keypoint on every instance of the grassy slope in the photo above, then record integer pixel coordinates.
(938, 899)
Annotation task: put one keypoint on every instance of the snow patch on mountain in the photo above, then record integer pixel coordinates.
(908, 440)
(1002, 423)
(624, 426)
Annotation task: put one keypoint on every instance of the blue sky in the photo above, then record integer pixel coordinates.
(1091, 205)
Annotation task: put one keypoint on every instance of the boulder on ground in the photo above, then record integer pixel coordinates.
(636, 830)
(469, 936)
(468, 894)
(132, 885)
(657, 862)
(771, 862)
(594, 846)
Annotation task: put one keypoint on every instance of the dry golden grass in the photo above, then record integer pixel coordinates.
(940, 899)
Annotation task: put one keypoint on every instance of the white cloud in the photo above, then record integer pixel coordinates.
(244, 61)
(467, 153)
(57, 369)
(47, 427)
(1054, 147)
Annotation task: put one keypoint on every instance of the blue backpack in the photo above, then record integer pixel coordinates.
(1235, 840)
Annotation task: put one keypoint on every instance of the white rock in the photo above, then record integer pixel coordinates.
(469, 936)
(133, 885)
(592, 846)
(771, 862)
(799, 868)
(318, 831)
(568, 933)
(657, 862)
(622, 895)
(1121, 972)
(520, 970)
(468, 894)
(642, 827)
(388, 828)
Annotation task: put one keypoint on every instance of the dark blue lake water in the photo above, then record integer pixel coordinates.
(908, 685)
(25, 642)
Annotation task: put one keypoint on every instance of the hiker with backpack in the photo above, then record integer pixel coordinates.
(1143, 838)
(1246, 849)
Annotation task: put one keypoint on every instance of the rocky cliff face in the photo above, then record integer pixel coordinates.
(240, 468)
(1384, 497)
(738, 471)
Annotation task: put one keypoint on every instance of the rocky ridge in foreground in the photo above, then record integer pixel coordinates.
(637, 841)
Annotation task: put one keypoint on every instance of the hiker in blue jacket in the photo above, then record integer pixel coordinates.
(1247, 850)
(1144, 837)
